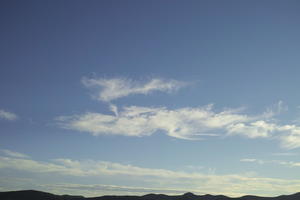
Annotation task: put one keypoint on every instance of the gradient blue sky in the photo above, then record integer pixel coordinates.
(136, 97)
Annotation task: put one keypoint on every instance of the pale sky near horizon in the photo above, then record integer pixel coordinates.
(136, 97)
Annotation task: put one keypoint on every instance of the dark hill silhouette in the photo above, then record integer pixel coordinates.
(38, 195)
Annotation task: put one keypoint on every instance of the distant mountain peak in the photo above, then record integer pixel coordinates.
(189, 194)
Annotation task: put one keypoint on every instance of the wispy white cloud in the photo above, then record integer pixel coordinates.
(278, 162)
(252, 130)
(288, 163)
(168, 180)
(291, 138)
(114, 109)
(32, 166)
(184, 123)
(13, 153)
(248, 160)
(288, 135)
(276, 109)
(102, 189)
(8, 115)
(110, 89)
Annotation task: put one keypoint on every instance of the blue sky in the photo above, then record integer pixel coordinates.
(136, 97)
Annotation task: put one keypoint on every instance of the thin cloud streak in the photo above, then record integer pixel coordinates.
(184, 123)
(231, 184)
(102, 189)
(13, 153)
(278, 162)
(8, 115)
(110, 89)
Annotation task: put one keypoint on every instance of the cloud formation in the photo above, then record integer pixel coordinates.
(254, 129)
(111, 89)
(278, 162)
(288, 135)
(8, 115)
(184, 123)
(190, 123)
(14, 154)
(94, 189)
(168, 180)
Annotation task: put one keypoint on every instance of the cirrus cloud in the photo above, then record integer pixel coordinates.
(8, 115)
(13, 153)
(183, 123)
(192, 123)
(168, 180)
(111, 89)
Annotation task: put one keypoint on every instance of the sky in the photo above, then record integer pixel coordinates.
(135, 97)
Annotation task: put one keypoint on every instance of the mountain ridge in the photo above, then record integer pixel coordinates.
(40, 195)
